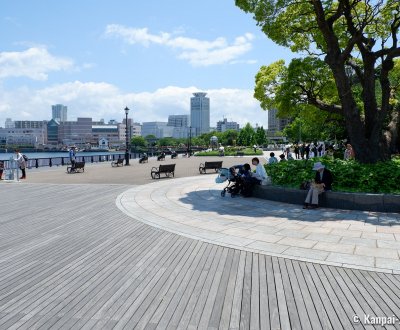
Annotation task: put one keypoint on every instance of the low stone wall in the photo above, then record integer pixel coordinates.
(332, 199)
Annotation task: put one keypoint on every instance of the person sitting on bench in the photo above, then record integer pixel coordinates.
(322, 182)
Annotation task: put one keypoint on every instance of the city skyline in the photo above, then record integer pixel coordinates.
(97, 57)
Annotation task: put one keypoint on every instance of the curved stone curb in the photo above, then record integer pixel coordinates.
(193, 207)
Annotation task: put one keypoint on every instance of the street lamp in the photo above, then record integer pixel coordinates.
(190, 141)
(127, 137)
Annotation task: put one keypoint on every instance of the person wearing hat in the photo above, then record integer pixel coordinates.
(322, 182)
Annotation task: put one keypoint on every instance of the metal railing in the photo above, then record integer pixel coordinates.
(61, 161)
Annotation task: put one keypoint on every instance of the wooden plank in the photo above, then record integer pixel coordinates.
(202, 298)
(238, 293)
(187, 292)
(246, 294)
(319, 306)
(211, 298)
(162, 295)
(264, 308)
(330, 310)
(280, 294)
(298, 300)
(190, 306)
(275, 322)
(312, 311)
(230, 291)
(255, 294)
(336, 297)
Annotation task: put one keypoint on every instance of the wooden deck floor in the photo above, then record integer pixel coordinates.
(69, 259)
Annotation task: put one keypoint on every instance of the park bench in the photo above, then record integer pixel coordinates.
(166, 169)
(119, 161)
(143, 159)
(161, 157)
(240, 153)
(77, 167)
(210, 165)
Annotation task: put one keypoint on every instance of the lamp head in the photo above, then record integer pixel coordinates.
(126, 110)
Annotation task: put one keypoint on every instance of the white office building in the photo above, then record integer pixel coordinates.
(178, 120)
(224, 125)
(200, 113)
(157, 128)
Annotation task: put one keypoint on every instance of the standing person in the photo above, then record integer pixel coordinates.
(72, 156)
(322, 182)
(1, 169)
(349, 152)
(307, 151)
(302, 150)
(297, 151)
(21, 163)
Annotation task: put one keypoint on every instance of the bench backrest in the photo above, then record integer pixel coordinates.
(213, 164)
(167, 168)
(79, 165)
(120, 160)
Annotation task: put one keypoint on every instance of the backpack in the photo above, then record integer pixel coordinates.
(25, 157)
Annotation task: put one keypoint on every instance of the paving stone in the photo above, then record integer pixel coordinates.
(332, 247)
(297, 242)
(377, 252)
(351, 259)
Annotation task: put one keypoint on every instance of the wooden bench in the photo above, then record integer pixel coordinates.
(209, 165)
(161, 157)
(167, 169)
(143, 159)
(77, 167)
(119, 161)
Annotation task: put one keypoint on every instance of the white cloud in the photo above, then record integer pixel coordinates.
(34, 63)
(103, 100)
(197, 52)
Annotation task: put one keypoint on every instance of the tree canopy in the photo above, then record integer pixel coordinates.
(349, 67)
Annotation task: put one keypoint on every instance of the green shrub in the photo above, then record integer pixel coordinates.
(348, 176)
(231, 152)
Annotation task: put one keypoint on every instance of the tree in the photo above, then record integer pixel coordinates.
(247, 136)
(229, 137)
(138, 141)
(260, 136)
(352, 47)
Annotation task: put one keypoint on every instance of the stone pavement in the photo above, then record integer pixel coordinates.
(193, 207)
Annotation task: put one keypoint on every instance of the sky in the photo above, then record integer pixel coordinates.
(99, 56)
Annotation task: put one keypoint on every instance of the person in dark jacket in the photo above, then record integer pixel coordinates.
(322, 182)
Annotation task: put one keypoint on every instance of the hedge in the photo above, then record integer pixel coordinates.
(348, 176)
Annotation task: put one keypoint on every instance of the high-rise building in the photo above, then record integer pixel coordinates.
(157, 128)
(178, 120)
(276, 124)
(59, 112)
(200, 113)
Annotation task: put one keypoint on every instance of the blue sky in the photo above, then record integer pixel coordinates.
(97, 56)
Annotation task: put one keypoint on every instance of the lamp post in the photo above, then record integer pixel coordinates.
(190, 141)
(127, 137)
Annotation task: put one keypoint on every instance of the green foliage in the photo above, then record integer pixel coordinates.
(349, 176)
(139, 141)
(350, 71)
(247, 136)
(231, 152)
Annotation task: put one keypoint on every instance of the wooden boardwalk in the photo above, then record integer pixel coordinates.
(69, 259)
